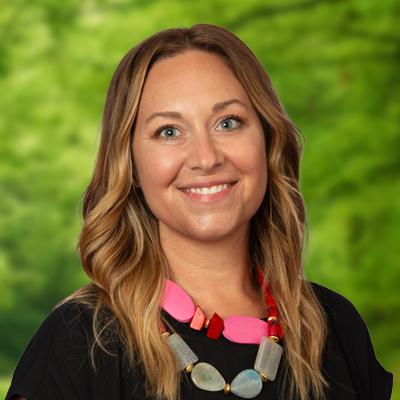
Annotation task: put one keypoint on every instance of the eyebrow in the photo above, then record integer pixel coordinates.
(174, 114)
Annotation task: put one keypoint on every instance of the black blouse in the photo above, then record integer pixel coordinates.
(56, 363)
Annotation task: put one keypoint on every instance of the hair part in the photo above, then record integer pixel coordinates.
(119, 243)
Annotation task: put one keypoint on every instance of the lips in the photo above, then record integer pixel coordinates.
(205, 199)
(207, 191)
(197, 185)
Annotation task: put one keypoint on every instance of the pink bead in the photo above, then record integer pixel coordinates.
(243, 329)
(177, 302)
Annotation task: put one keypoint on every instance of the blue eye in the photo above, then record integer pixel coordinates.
(166, 128)
(232, 118)
(227, 120)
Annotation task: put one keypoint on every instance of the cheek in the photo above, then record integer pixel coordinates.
(253, 163)
(259, 176)
(156, 168)
(252, 159)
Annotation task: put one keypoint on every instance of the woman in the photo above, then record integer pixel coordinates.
(192, 238)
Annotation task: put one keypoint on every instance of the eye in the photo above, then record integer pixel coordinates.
(227, 124)
(168, 130)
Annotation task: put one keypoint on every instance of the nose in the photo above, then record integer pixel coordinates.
(204, 152)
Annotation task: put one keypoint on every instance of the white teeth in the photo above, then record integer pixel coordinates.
(209, 190)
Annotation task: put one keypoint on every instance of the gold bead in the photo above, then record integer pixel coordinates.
(189, 368)
(274, 338)
(264, 377)
(166, 334)
(272, 318)
(227, 388)
(206, 323)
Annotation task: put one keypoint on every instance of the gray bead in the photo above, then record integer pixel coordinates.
(182, 351)
(268, 357)
(207, 377)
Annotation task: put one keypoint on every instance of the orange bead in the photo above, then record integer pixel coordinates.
(198, 319)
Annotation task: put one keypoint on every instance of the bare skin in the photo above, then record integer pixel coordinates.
(206, 244)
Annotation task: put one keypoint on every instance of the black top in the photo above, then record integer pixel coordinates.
(56, 364)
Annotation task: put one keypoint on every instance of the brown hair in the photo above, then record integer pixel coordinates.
(119, 244)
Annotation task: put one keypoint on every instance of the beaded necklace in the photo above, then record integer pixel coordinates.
(248, 383)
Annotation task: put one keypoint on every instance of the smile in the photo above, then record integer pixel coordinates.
(208, 190)
(209, 194)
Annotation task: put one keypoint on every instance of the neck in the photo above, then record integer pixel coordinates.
(215, 274)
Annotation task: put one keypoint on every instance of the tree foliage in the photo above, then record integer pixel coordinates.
(335, 67)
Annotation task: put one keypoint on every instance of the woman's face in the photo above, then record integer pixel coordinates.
(193, 101)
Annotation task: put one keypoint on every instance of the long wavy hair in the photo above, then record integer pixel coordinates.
(119, 244)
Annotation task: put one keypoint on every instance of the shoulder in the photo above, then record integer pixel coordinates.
(58, 359)
(65, 328)
(66, 317)
(338, 308)
(67, 333)
(347, 325)
(344, 320)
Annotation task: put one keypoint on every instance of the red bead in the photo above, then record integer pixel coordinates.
(273, 328)
(273, 311)
(198, 319)
(215, 327)
(269, 299)
(162, 327)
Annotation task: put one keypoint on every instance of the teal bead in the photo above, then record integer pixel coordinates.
(247, 384)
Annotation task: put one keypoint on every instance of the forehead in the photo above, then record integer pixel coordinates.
(189, 60)
(193, 77)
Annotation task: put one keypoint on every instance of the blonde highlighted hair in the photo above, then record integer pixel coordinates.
(119, 244)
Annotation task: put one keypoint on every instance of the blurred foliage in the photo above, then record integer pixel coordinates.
(335, 67)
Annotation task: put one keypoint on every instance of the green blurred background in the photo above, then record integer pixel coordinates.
(335, 66)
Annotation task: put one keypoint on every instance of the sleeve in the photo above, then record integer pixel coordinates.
(56, 363)
(371, 380)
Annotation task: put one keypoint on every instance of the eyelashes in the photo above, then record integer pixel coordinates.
(238, 119)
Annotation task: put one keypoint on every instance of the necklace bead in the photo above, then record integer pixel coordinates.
(199, 319)
(248, 383)
(227, 388)
(215, 327)
(239, 329)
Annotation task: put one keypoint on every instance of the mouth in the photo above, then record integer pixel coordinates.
(206, 190)
(209, 194)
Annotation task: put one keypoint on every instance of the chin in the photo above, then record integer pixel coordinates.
(207, 233)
